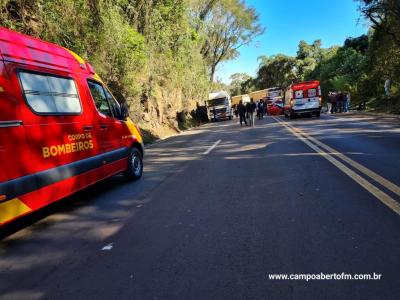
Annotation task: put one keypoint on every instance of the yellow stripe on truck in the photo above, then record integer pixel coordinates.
(82, 62)
(12, 209)
(76, 56)
(133, 130)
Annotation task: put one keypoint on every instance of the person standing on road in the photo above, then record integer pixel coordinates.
(261, 110)
(387, 86)
(334, 103)
(257, 111)
(241, 109)
(248, 109)
(340, 101)
(236, 112)
(214, 111)
(345, 106)
(348, 101)
(252, 109)
(336, 109)
(329, 103)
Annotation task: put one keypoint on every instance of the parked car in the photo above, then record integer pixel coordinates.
(275, 109)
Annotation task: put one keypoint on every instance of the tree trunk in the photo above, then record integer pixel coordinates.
(212, 74)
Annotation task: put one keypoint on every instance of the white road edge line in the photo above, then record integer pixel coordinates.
(107, 247)
(212, 147)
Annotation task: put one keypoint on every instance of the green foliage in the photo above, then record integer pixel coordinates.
(308, 56)
(145, 50)
(360, 43)
(237, 81)
(384, 16)
(383, 54)
(225, 26)
(121, 57)
(250, 85)
(340, 69)
(175, 61)
(276, 71)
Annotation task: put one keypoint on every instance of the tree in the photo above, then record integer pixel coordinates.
(383, 51)
(384, 15)
(341, 69)
(227, 25)
(276, 71)
(250, 85)
(360, 43)
(237, 81)
(308, 56)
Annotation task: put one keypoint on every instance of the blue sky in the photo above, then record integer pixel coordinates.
(289, 21)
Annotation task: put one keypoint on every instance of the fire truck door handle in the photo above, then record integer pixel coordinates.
(103, 126)
(87, 128)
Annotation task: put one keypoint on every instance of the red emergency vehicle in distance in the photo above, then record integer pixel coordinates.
(61, 129)
(305, 98)
(273, 101)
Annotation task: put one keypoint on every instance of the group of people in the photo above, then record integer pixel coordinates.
(338, 102)
(249, 111)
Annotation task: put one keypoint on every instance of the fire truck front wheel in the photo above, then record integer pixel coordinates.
(134, 168)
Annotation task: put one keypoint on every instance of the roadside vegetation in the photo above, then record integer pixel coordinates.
(360, 66)
(159, 56)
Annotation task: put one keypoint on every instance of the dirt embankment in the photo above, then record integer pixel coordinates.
(167, 113)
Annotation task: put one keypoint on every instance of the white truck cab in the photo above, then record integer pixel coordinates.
(219, 106)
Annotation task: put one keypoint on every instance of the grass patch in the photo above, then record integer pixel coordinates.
(389, 105)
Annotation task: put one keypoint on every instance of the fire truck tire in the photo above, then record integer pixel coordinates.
(134, 169)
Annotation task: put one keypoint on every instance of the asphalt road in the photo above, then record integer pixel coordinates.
(218, 210)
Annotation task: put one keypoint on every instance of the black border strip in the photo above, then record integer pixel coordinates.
(29, 183)
(15, 123)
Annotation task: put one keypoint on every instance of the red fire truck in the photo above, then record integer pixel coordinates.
(305, 98)
(61, 129)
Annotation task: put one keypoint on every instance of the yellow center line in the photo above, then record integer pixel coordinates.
(381, 180)
(382, 196)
